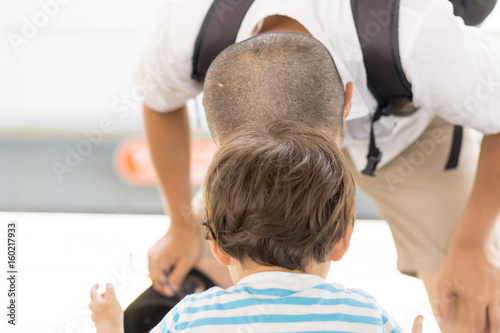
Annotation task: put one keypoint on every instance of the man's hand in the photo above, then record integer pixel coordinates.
(472, 274)
(107, 313)
(176, 253)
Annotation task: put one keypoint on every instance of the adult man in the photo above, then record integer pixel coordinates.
(438, 227)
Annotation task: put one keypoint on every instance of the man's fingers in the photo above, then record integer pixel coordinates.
(478, 317)
(158, 283)
(446, 298)
(177, 275)
(417, 324)
(93, 291)
(155, 273)
(494, 317)
(153, 266)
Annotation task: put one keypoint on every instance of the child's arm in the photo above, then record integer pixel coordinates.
(107, 313)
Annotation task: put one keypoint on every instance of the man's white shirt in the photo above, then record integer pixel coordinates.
(454, 69)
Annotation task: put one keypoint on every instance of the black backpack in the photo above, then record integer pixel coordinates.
(380, 47)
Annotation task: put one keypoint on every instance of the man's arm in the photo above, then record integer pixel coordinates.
(483, 207)
(471, 268)
(455, 72)
(168, 136)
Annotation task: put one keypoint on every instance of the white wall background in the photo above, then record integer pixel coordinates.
(69, 73)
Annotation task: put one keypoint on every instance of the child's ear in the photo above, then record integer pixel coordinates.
(220, 256)
(342, 245)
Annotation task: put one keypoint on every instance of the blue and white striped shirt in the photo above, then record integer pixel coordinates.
(278, 302)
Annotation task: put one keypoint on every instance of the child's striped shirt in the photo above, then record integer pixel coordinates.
(278, 302)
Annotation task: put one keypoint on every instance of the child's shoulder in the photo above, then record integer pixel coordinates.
(208, 294)
(339, 289)
(361, 299)
(207, 298)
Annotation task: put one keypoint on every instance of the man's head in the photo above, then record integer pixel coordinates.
(277, 75)
(279, 195)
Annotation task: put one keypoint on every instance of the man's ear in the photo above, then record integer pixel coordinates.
(349, 91)
(220, 256)
(342, 245)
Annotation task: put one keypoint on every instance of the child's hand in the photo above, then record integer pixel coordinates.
(417, 325)
(107, 313)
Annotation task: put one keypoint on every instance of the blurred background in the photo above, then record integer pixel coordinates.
(69, 115)
(71, 140)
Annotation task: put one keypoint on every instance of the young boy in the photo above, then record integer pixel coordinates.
(280, 206)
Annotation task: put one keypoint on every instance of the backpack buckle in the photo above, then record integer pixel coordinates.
(371, 164)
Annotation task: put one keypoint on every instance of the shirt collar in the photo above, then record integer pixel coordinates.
(284, 280)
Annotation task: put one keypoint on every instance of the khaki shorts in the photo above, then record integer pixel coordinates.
(422, 202)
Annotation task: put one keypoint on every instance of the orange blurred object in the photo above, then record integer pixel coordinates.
(134, 166)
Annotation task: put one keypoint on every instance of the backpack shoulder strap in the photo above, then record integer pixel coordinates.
(473, 12)
(377, 27)
(218, 31)
(377, 23)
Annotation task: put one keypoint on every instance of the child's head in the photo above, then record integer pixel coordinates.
(279, 196)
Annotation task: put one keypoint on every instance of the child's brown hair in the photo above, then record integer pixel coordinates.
(281, 195)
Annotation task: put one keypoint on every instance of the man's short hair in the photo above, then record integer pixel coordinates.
(276, 75)
(280, 195)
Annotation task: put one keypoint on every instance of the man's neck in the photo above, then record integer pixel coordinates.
(282, 23)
